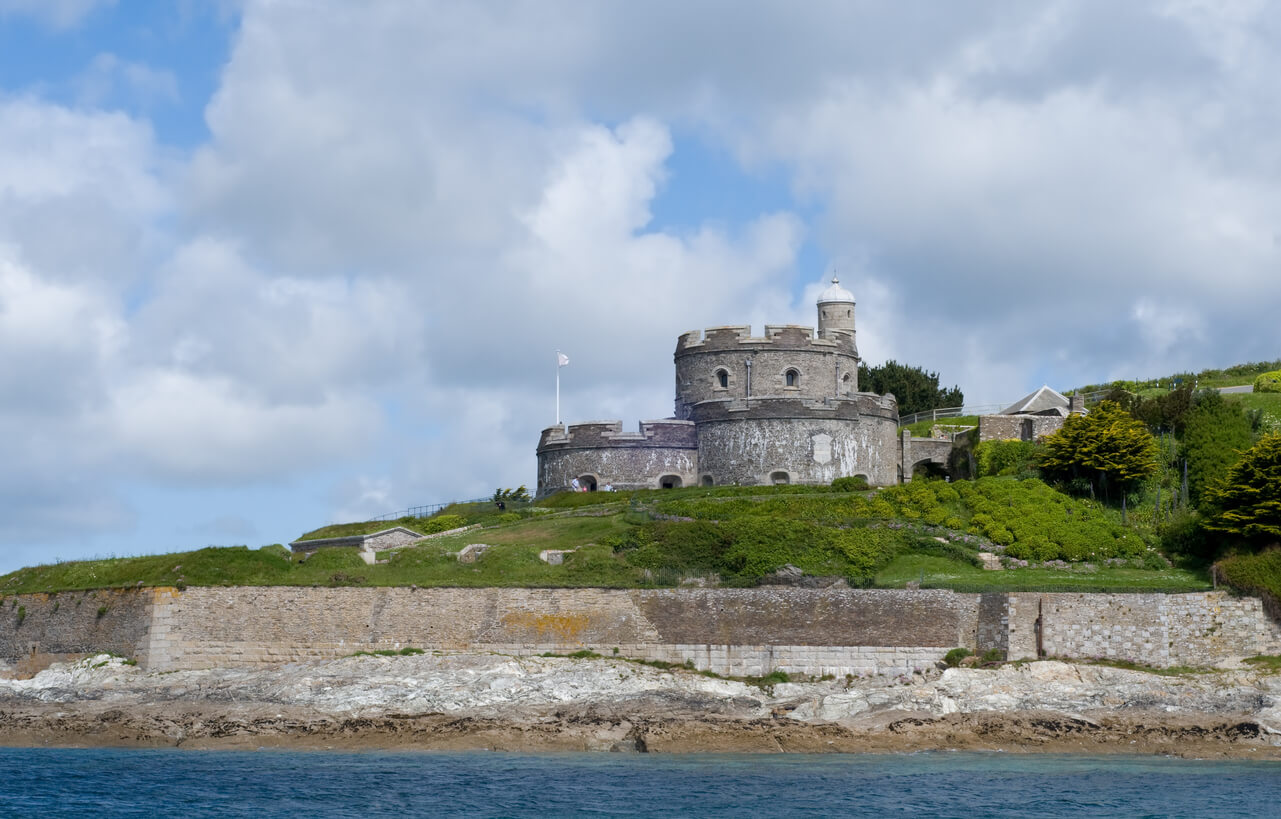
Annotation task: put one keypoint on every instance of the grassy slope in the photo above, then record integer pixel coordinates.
(1233, 376)
(1269, 402)
(513, 561)
(942, 573)
(921, 429)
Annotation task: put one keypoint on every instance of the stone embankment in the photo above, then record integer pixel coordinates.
(447, 700)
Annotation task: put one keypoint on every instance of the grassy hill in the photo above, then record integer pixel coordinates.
(924, 532)
(1236, 375)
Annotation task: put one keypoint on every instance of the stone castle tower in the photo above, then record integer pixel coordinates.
(779, 408)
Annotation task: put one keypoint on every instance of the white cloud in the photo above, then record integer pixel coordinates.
(109, 77)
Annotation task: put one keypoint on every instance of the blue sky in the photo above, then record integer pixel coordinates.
(267, 265)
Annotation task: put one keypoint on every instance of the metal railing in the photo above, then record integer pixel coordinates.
(977, 409)
(425, 510)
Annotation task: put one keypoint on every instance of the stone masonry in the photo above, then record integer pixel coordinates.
(729, 631)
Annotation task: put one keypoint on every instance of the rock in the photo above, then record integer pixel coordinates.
(472, 552)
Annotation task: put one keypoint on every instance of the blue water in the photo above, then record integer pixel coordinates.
(92, 783)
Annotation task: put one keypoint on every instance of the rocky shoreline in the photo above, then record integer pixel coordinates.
(464, 701)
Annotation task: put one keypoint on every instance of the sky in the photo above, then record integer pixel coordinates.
(270, 264)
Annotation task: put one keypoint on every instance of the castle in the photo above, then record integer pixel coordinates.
(782, 408)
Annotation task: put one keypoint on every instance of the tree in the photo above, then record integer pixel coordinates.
(915, 389)
(1215, 433)
(1106, 448)
(1248, 501)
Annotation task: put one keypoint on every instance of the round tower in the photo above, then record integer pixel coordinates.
(836, 311)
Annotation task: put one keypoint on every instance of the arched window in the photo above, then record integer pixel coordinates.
(849, 314)
(792, 378)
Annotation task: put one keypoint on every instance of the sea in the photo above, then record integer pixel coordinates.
(161, 783)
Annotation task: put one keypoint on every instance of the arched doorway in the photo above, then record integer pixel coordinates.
(588, 482)
(670, 481)
(929, 470)
(707, 480)
(779, 478)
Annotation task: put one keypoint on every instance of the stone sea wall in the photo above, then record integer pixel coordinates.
(730, 631)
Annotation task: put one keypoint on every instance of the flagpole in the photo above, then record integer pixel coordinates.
(558, 388)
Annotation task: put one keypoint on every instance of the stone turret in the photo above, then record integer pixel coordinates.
(836, 311)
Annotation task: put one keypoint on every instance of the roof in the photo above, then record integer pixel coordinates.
(1044, 401)
(836, 293)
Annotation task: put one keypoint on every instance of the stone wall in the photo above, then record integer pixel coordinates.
(825, 367)
(627, 460)
(1157, 629)
(748, 445)
(735, 631)
(37, 629)
(1018, 427)
(730, 631)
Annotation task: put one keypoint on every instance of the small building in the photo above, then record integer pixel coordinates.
(1032, 417)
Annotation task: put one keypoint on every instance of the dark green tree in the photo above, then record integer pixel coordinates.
(1247, 503)
(1215, 433)
(1167, 412)
(1109, 449)
(915, 389)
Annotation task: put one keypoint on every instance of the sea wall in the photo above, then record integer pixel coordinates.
(38, 629)
(1156, 629)
(730, 631)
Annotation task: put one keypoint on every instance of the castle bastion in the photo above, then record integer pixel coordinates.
(779, 408)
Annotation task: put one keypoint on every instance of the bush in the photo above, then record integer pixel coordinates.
(1005, 457)
(441, 523)
(953, 658)
(1268, 382)
(851, 483)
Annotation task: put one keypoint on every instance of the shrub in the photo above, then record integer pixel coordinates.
(1248, 501)
(1005, 457)
(508, 517)
(22, 614)
(441, 523)
(1268, 382)
(953, 658)
(851, 483)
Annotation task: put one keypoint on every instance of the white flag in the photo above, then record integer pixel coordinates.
(561, 359)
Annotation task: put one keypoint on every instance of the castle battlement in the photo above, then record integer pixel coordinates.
(777, 336)
(596, 434)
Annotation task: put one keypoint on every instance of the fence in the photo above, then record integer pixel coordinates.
(425, 510)
(977, 409)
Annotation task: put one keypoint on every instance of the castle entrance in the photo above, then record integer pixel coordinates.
(670, 481)
(588, 482)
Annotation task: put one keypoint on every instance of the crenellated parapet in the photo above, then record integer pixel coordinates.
(789, 360)
(600, 453)
(596, 434)
(738, 337)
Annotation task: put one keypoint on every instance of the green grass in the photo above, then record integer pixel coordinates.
(1267, 402)
(739, 535)
(921, 429)
(352, 529)
(944, 573)
(1234, 376)
(1265, 662)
